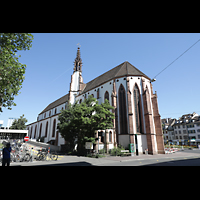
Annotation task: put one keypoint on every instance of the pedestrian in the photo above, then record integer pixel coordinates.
(6, 155)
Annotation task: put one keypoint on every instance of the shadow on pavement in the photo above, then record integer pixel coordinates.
(69, 164)
(184, 162)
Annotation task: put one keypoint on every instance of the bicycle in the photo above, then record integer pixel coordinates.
(44, 155)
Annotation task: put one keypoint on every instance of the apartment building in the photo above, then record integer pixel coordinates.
(184, 131)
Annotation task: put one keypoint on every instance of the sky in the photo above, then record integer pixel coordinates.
(50, 66)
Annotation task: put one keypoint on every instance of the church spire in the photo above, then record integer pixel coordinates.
(78, 61)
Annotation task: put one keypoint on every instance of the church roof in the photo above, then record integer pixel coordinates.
(121, 70)
(56, 103)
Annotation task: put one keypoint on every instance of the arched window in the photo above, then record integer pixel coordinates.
(136, 96)
(110, 136)
(98, 93)
(122, 110)
(46, 129)
(31, 132)
(40, 130)
(80, 101)
(106, 96)
(54, 128)
(35, 131)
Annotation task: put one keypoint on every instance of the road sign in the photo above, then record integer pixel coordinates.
(89, 145)
(26, 138)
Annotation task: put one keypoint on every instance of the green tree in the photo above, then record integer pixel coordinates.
(11, 70)
(79, 121)
(19, 124)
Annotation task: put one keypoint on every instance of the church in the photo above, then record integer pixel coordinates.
(129, 91)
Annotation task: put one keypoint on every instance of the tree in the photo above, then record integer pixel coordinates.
(11, 70)
(79, 121)
(19, 124)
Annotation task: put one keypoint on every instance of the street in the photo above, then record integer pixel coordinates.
(181, 158)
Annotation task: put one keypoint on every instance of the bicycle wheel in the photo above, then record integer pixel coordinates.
(26, 158)
(54, 156)
(48, 157)
(38, 156)
(42, 157)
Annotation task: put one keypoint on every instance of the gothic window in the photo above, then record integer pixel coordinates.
(46, 129)
(137, 109)
(35, 131)
(106, 96)
(98, 93)
(122, 110)
(40, 130)
(54, 128)
(31, 132)
(110, 136)
(148, 101)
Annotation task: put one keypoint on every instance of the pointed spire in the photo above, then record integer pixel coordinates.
(78, 61)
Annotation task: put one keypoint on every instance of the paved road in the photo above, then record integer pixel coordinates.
(182, 158)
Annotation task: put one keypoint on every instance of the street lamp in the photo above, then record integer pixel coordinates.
(152, 80)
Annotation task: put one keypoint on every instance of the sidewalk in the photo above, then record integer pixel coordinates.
(180, 154)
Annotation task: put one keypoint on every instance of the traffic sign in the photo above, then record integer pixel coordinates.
(26, 138)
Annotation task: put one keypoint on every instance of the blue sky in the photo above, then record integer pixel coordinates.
(50, 65)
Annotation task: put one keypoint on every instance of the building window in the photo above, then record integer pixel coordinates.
(80, 101)
(49, 113)
(44, 115)
(55, 110)
(106, 96)
(122, 110)
(40, 130)
(31, 132)
(46, 129)
(35, 131)
(137, 109)
(98, 93)
(54, 128)
(179, 132)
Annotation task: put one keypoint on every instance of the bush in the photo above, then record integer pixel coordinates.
(118, 149)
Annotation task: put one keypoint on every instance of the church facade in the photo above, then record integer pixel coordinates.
(129, 91)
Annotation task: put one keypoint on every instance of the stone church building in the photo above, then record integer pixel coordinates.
(129, 91)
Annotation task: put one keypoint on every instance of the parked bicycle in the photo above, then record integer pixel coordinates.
(45, 155)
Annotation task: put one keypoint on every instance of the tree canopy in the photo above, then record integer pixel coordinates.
(79, 121)
(11, 70)
(19, 124)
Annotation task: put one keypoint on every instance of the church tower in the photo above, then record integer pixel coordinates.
(76, 85)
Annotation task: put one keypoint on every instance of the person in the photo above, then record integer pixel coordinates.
(6, 155)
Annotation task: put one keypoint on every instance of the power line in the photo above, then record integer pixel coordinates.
(177, 58)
